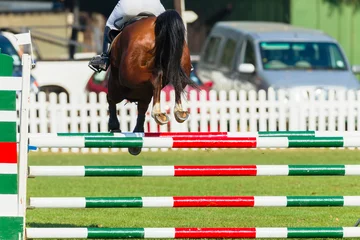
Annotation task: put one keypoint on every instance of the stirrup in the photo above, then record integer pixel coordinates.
(94, 68)
(99, 67)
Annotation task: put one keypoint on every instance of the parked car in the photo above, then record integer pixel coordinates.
(259, 55)
(7, 47)
(98, 82)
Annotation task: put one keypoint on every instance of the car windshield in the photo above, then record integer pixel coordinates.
(7, 48)
(301, 55)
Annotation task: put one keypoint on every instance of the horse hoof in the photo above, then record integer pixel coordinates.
(115, 131)
(161, 118)
(181, 116)
(134, 151)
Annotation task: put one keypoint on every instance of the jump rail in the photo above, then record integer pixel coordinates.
(177, 202)
(208, 134)
(188, 142)
(194, 171)
(125, 233)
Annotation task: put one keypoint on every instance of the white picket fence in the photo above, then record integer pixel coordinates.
(224, 111)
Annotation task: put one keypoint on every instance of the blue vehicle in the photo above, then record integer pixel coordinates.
(7, 48)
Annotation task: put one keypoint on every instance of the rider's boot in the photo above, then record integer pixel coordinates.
(101, 62)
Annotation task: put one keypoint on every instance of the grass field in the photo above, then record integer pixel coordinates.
(196, 186)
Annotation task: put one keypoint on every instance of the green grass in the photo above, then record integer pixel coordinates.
(196, 186)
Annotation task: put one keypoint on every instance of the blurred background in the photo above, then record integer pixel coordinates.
(63, 28)
(73, 29)
(309, 47)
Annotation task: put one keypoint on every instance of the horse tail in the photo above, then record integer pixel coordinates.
(169, 45)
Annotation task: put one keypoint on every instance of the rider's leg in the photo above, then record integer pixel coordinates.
(106, 42)
(101, 62)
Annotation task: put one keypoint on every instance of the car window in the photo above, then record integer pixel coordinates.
(301, 55)
(212, 49)
(228, 54)
(249, 53)
(7, 48)
(337, 60)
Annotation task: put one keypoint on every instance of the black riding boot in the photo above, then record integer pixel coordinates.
(101, 62)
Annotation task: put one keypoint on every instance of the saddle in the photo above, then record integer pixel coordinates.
(115, 32)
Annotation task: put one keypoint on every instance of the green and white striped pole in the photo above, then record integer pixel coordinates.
(192, 142)
(194, 171)
(195, 201)
(208, 134)
(192, 233)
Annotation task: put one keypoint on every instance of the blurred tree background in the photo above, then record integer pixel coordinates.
(340, 3)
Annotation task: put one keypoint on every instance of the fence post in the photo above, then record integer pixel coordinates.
(294, 98)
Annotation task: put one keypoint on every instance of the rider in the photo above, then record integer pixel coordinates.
(124, 11)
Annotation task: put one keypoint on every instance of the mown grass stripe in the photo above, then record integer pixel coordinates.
(305, 142)
(311, 201)
(316, 170)
(7, 131)
(131, 171)
(121, 202)
(7, 100)
(113, 142)
(315, 232)
(113, 233)
(8, 184)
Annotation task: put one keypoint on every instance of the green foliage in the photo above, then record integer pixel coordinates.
(340, 3)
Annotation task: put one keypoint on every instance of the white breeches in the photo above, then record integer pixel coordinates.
(127, 9)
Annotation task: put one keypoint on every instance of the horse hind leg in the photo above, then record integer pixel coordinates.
(161, 118)
(113, 124)
(139, 128)
(179, 113)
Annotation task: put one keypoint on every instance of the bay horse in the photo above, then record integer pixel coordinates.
(145, 57)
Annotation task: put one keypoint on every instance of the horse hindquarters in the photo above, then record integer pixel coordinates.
(169, 50)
